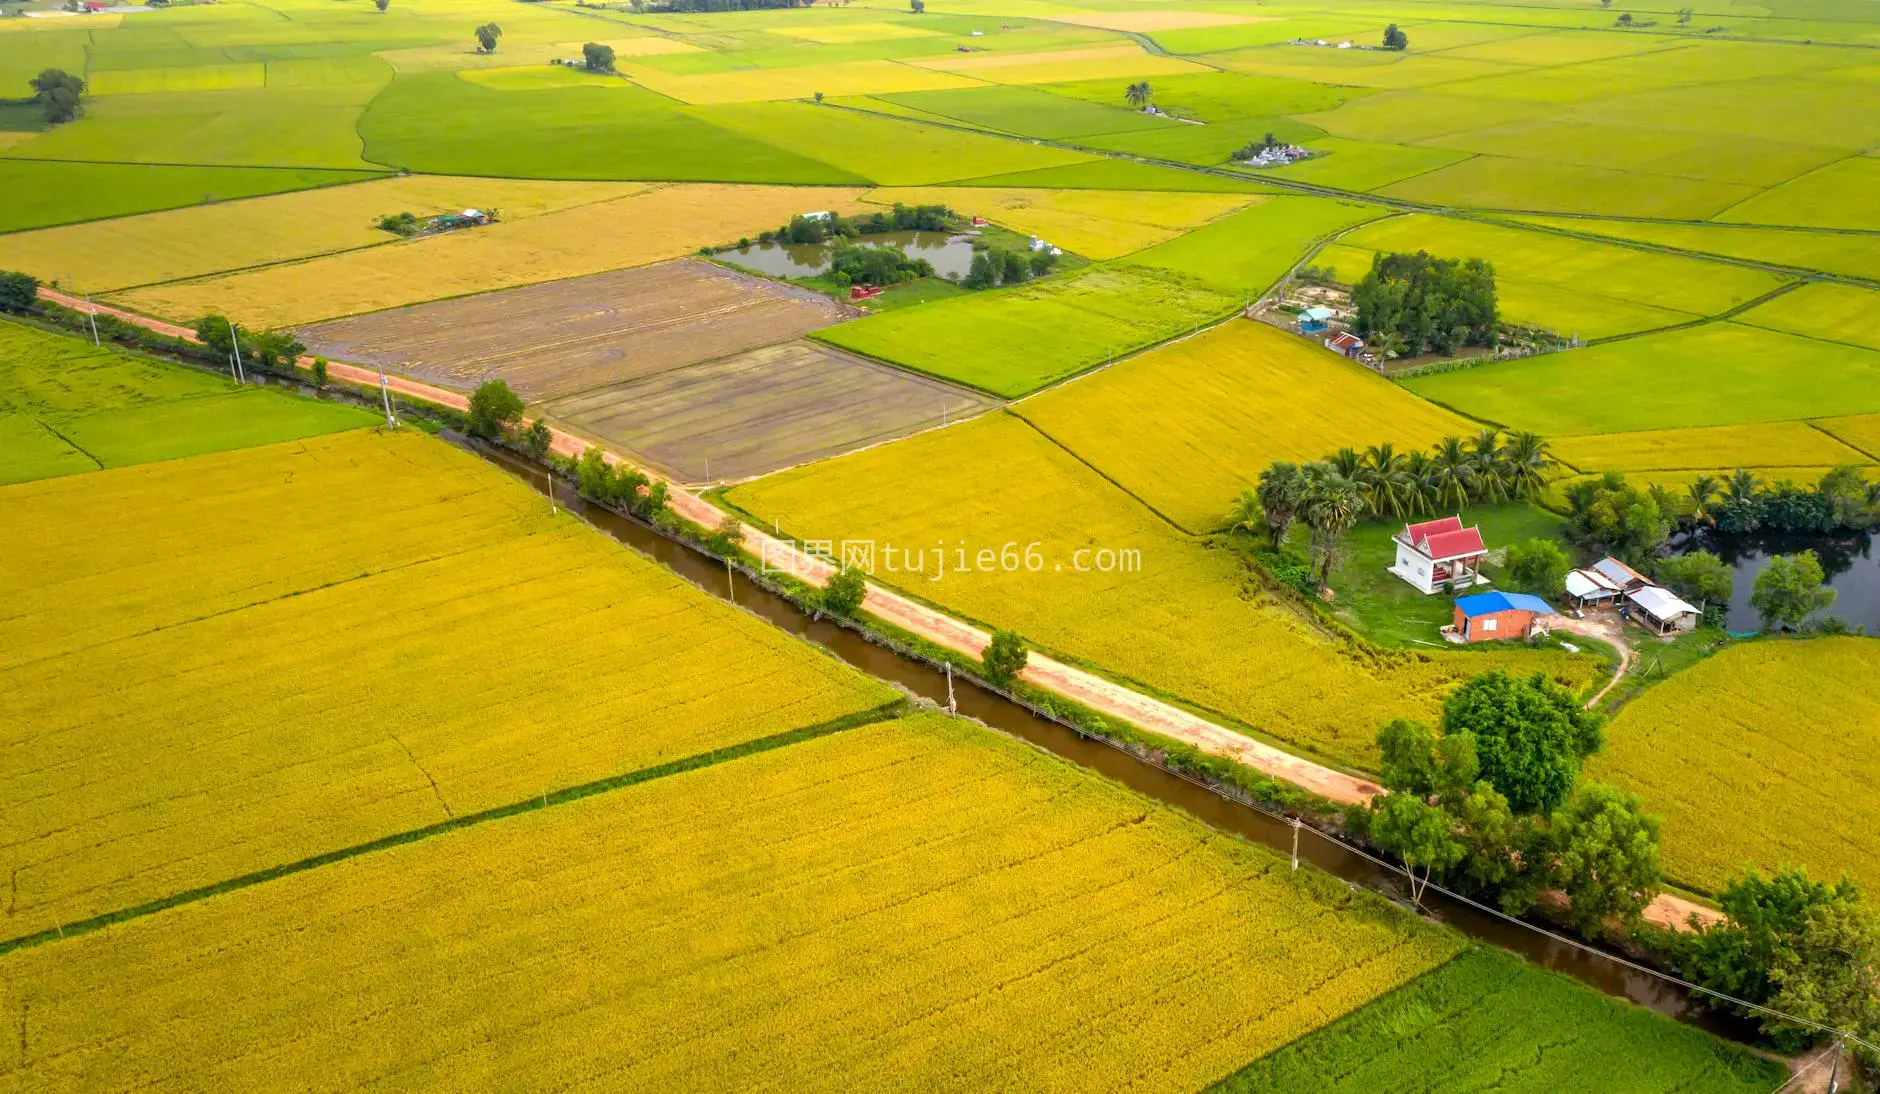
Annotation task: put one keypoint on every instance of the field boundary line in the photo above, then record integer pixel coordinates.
(1815, 424)
(1102, 474)
(546, 800)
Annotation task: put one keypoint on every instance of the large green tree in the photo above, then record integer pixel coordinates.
(492, 407)
(1436, 304)
(1699, 577)
(1004, 657)
(1530, 736)
(1790, 590)
(60, 93)
(1538, 566)
(1605, 856)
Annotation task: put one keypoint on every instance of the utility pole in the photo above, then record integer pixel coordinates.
(91, 311)
(1295, 827)
(241, 374)
(549, 474)
(385, 393)
(1834, 1069)
(952, 707)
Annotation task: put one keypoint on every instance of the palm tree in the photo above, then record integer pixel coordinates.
(1246, 512)
(1455, 474)
(1525, 460)
(1138, 94)
(1386, 488)
(1281, 490)
(1346, 462)
(1742, 486)
(1419, 473)
(1701, 491)
(1485, 458)
(1387, 344)
(1333, 504)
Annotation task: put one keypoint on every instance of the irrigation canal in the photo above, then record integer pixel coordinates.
(1220, 812)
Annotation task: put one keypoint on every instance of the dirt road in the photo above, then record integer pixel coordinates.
(1104, 696)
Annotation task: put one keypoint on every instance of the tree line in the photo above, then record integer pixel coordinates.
(901, 218)
(1332, 495)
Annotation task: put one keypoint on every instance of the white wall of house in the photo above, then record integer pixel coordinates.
(1414, 568)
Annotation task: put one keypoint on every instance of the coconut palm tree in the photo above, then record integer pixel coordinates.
(1280, 493)
(1387, 344)
(1246, 512)
(1346, 462)
(1701, 492)
(1386, 488)
(1491, 485)
(1742, 486)
(1455, 474)
(1419, 473)
(1333, 504)
(1525, 461)
(1138, 94)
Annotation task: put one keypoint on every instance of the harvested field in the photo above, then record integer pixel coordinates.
(764, 409)
(663, 222)
(564, 337)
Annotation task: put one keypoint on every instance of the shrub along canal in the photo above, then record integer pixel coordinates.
(992, 709)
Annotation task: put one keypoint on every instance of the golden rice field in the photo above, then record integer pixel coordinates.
(102, 256)
(661, 222)
(908, 906)
(1188, 618)
(1779, 769)
(1189, 426)
(1858, 431)
(1098, 224)
(1142, 21)
(211, 683)
(1761, 444)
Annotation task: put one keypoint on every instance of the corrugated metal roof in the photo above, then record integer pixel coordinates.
(1661, 603)
(1619, 572)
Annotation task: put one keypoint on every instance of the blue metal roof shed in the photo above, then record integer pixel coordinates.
(1490, 603)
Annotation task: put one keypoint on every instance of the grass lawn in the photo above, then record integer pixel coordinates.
(1383, 607)
(1489, 1021)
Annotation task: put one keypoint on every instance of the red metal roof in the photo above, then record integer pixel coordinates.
(1417, 533)
(1346, 341)
(1458, 544)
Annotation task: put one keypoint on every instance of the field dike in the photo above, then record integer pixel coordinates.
(546, 800)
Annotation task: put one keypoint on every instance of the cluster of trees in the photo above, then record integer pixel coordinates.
(1139, 94)
(60, 94)
(1333, 494)
(1799, 946)
(269, 349)
(18, 291)
(598, 57)
(1419, 303)
(1492, 804)
(487, 34)
(854, 264)
(993, 266)
(402, 224)
(1843, 500)
(1396, 39)
(604, 482)
(902, 218)
(1253, 148)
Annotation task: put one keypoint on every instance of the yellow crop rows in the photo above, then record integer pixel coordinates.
(1787, 743)
(1859, 431)
(101, 256)
(846, 913)
(1059, 66)
(800, 82)
(213, 682)
(1189, 426)
(662, 222)
(1183, 616)
(1097, 224)
(1760, 444)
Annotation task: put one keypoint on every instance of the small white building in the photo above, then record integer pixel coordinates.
(1662, 611)
(1437, 553)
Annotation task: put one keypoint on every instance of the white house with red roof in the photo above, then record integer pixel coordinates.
(1435, 553)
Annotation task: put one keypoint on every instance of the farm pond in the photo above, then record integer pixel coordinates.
(951, 254)
(1848, 559)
